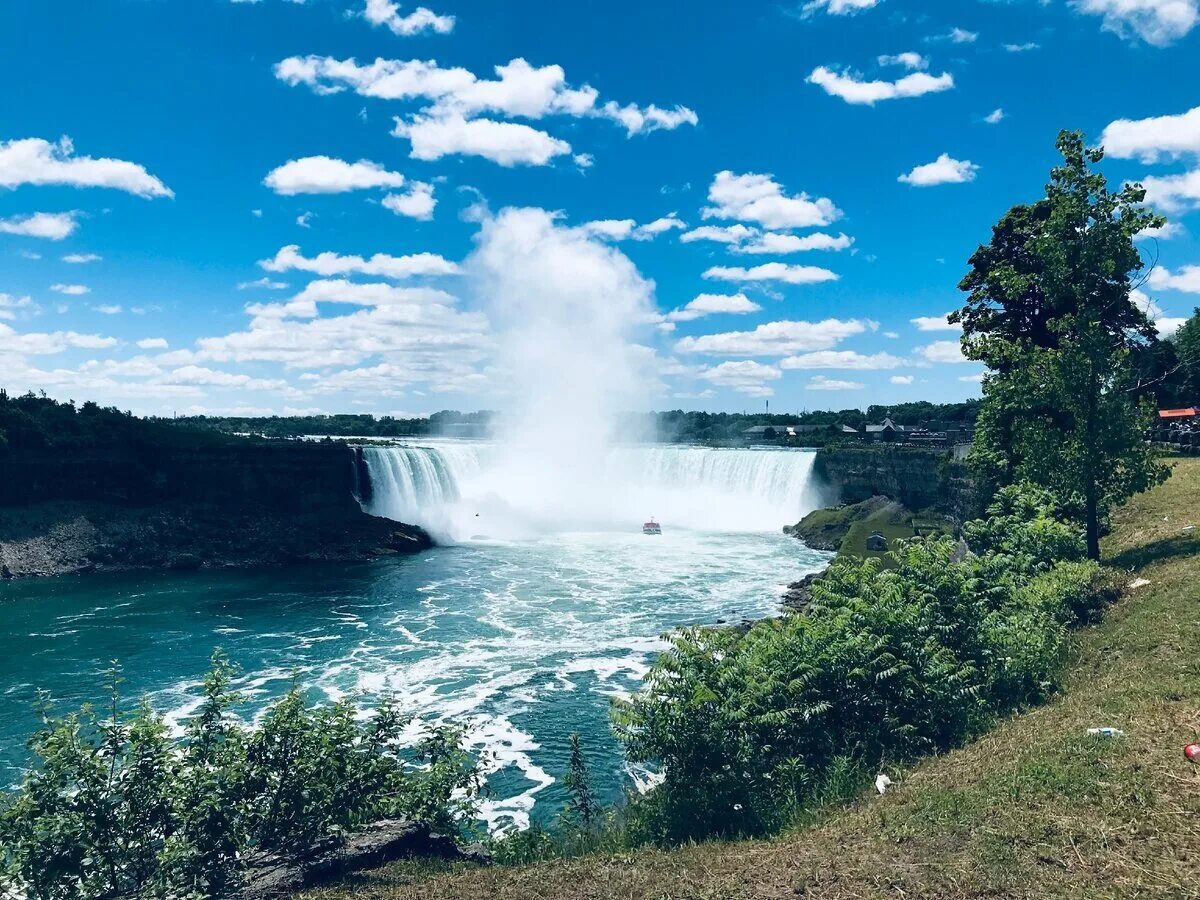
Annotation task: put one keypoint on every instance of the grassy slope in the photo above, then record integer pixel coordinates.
(1034, 809)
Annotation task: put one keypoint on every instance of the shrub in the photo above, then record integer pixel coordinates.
(749, 730)
(115, 808)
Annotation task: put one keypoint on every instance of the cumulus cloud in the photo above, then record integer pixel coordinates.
(942, 352)
(1163, 232)
(1186, 279)
(943, 170)
(1157, 22)
(901, 379)
(453, 100)
(842, 359)
(78, 259)
(417, 203)
(51, 226)
(1154, 139)
(776, 338)
(505, 143)
(995, 117)
(837, 7)
(777, 243)
(934, 323)
(744, 376)
(39, 162)
(107, 309)
(328, 263)
(1022, 48)
(386, 13)
(760, 199)
(11, 306)
(710, 304)
(264, 283)
(628, 229)
(74, 290)
(48, 343)
(821, 383)
(721, 234)
(854, 89)
(1173, 193)
(326, 175)
(908, 59)
(155, 343)
(772, 271)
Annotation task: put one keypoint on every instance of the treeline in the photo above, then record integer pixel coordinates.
(341, 425)
(32, 422)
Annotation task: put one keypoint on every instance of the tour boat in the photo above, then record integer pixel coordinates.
(651, 527)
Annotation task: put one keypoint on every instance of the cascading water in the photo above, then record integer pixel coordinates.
(462, 491)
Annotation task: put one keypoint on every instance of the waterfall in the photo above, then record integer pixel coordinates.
(467, 491)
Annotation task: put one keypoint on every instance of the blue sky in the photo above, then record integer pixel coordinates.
(193, 194)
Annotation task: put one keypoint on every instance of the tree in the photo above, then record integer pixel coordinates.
(582, 810)
(1049, 312)
(1187, 348)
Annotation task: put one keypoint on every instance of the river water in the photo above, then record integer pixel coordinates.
(523, 630)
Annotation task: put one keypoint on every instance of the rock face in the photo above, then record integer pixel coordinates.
(274, 877)
(916, 477)
(185, 509)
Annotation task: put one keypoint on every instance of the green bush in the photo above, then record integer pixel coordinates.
(751, 729)
(115, 807)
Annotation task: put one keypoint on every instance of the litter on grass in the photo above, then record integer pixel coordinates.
(882, 783)
(1106, 732)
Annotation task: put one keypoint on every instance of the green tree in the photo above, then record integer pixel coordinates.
(582, 810)
(1049, 312)
(1187, 348)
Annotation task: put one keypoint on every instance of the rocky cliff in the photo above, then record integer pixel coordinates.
(227, 504)
(916, 477)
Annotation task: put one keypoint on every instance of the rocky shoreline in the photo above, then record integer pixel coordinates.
(66, 537)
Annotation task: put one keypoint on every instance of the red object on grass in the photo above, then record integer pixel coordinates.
(1192, 752)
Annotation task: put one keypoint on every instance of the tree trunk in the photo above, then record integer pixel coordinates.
(1093, 524)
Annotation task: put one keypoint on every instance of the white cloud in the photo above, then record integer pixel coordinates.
(38, 162)
(38, 344)
(1162, 233)
(772, 271)
(519, 90)
(962, 36)
(942, 352)
(908, 59)
(1173, 193)
(721, 234)
(325, 175)
(626, 229)
(821, 383)
(74, 290)
(710, 304)
(52, 226)
(776, 242)
(10, 305)
(153, 343)
(853, 89)
(977, 378)
(759, 198)
(744, 376)
(1157, 22)
(934, 323)
(417, 203)
(837, 7)
(505, 143)
(944, 170)
(107, 309)
(383, 12)
(1186, 279)
(842, 359)
(1022, 48)
(901, 379)
(381, 264)
(264, 283)
(1167, 326)
(78, 259)
(995, 117)
(775, 338)
(1154, 139)
(304, 220)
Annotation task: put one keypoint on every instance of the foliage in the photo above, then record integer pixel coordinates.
(1049, 312)
(115, 807)
(750, 729)
(583, 810)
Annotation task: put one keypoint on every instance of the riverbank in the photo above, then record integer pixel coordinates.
(1036, 808)
(235, 503)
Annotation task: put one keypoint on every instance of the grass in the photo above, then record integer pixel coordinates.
(1034, 809)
